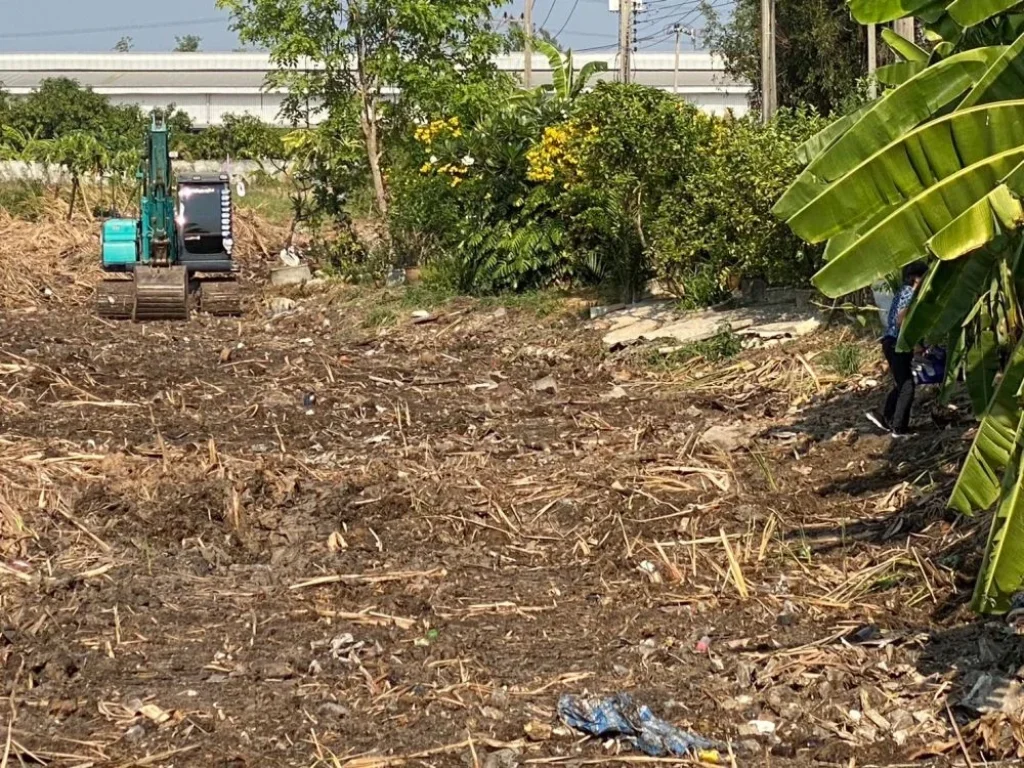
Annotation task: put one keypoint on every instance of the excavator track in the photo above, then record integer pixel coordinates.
(220, 297)
(161, 293)
(115, 299)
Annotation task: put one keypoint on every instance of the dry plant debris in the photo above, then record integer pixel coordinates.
(200, 564)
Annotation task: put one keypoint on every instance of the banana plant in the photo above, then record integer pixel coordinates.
(934, 169)
(567, 84)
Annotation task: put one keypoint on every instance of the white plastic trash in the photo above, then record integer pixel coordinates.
(883, 300)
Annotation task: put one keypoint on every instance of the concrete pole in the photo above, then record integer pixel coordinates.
(905, 28)
(872, 61)
(675, 75)
(769, 97)
(625, 39)
(528, 44)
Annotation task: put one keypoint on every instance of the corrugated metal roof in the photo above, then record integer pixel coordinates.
(208, 85)
(178, 62)
(255, 82)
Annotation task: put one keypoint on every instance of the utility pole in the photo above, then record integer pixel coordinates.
(625, 39)
(528, 44)
(769, 97)
(678, 29)
(905, 28)
(872, 62)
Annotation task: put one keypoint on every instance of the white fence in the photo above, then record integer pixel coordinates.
(16, 170)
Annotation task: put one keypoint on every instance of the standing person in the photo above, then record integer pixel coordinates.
(896, 417)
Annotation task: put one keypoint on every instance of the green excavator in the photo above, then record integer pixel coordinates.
(177, 255)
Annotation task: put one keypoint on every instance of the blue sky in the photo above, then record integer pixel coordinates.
(98, 24)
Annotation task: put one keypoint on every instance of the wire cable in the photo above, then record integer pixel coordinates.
(568, 18)
(106, 30)
(547, 18)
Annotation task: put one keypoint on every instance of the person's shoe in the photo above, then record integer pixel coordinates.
(900, 435)
(878, 421)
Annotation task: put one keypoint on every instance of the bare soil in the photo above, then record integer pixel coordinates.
(300, 541)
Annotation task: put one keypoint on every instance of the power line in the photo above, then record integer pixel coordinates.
(568, 18)
(106, 30)
(547, 18)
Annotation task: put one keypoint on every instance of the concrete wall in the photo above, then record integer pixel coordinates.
(15, 170)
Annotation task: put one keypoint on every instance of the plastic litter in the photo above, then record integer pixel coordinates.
(930, 369)
(621, 716)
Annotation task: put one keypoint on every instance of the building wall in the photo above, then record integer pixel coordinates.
(211, 85)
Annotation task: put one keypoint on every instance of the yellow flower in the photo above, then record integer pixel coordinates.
(425, 168)
(456, 181)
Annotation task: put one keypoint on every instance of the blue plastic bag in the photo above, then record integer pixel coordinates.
(619, 715)
(930, 368)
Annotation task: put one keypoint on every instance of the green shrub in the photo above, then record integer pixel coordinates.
(23, 199)
(379, 317)
(724, 345)
(718, 220)
(844, 359)
(462, 204)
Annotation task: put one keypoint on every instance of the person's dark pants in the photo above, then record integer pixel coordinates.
(901, 398)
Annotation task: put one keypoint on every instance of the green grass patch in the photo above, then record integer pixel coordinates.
(426, 295)
(269, 199)
(844, 359)
(540, 303)
(23, 199)
(380, 317)
(725, 345)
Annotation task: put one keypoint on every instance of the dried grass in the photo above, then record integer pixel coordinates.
(53, 260)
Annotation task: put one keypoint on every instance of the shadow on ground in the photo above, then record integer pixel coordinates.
(977, 660)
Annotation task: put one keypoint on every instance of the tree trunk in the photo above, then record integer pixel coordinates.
(369, 97)
(371, 132)
(74, 197)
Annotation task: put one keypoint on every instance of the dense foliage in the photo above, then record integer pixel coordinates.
(619, 184)
(491, 187)
(61, 107)
(819, 50)
(934, 170)
(389, 56)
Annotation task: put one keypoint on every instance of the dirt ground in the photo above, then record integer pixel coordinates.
(305, 541)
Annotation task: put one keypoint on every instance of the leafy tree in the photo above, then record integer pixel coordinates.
(242, 137)
(820, 50)
(364, 47)
(516, 38)
(60, 106)
(934, 170)
(124, 45)
(187, 44)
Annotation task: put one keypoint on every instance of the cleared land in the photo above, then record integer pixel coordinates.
(309, 540)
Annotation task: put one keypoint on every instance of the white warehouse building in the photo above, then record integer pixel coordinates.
(211, 85)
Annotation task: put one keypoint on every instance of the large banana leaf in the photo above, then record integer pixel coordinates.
(946, 296)
(905, 49)
(900, 72)
(1002, 571)
(968, 13)
(917, 161)
(1003, 81)
(880, 11)
(902, 236)
(883, 122)
(982, 364)
(977, 488)
(827, 136)
(977, 226)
